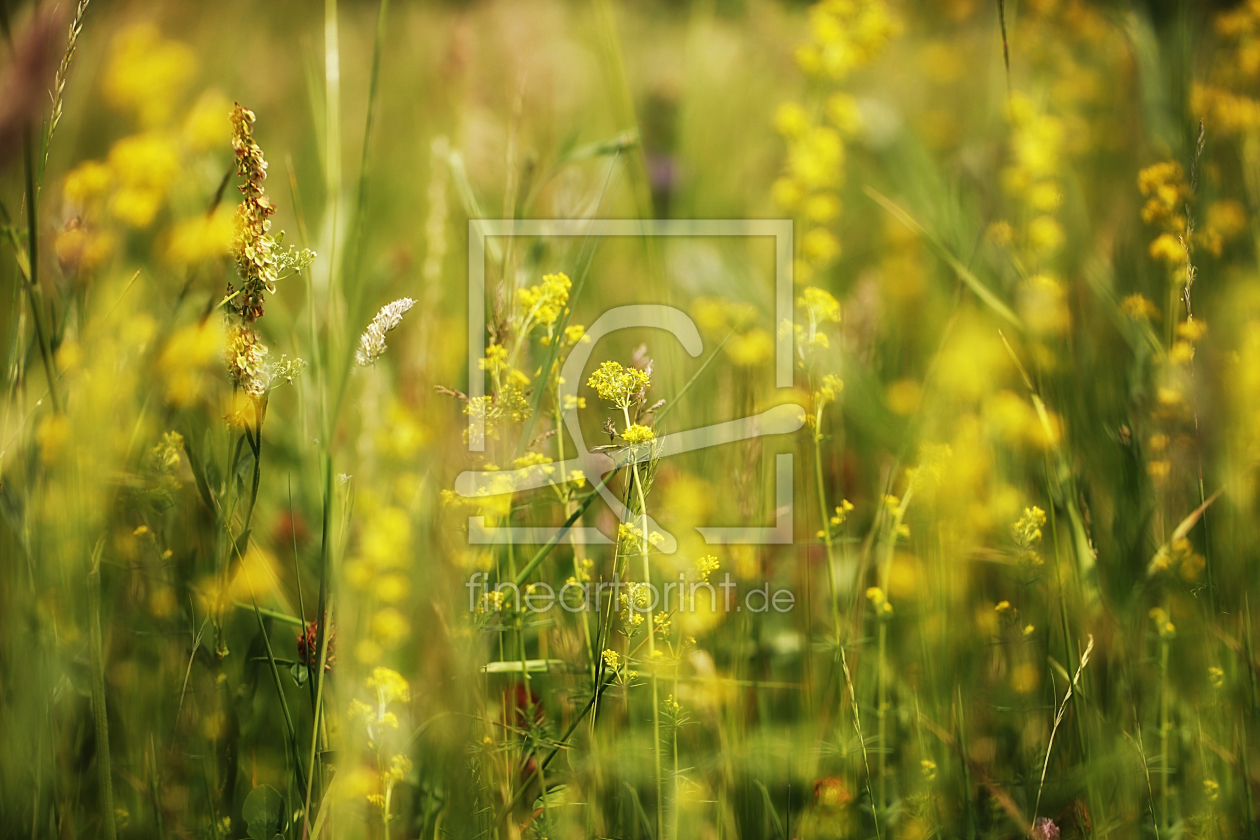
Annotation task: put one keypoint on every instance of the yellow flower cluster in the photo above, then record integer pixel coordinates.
(534, 459)
(1027, 529)
(842, 513)
(1163, 623)
(145, 77)
(544, 303)
(828, 390)
(820, 308)
(706, 566)
(1139, 308)
(879, 601)
(638, 598)
(617, 385)
(188, 355)
(146, 74)
(1179, 555)
(749, 345)
(1163, 186)
(1228, 100)
(636, 434)
(389, 685)
(378, 571)
(845, 35)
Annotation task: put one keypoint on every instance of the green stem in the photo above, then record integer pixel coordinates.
(99, 715)
(882, 712)
(1163, 730)
(651, 623)
(32, 277)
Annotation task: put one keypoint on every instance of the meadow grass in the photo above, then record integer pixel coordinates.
(245, 461)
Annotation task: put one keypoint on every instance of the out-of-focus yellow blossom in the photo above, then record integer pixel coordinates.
(972, 359)
(1168, 248)
(1037, 143)
(1227, 217)
(845, 35)
(1228, 111)
(146, 74)
(1216, 676)
(80, 248)
(941, 62)
(1227, 99)
(392, 588)
(201, 238)
(256, 576)
(1162, 184)
(205, 126)
(750, 349)
(819, 304)
(1181, 353)
(820, 246)
(390, 627)
(534, 459)
(828, 390)
(185, 358)
(144, 165)
(1139, 308)
(787, 193)
(359, 709)
(822, 208)
(902, 396)
(87, 182)
(1043, 305)
(495, 359)
(1178, 555)
(1000, 233)
(844, 113)
(1016, 421)
(1045, 235)
(387, 538)
(816, 158)
(52, 434)
(389, 686)
(1045, 196)
(403, 435)
(1163, 623)
(1025, 678)
(1192, 330)
(791, 120)
(879, 601)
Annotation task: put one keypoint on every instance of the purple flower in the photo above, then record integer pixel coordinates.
(1045, 829)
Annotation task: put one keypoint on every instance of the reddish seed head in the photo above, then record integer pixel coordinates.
(830, 792)
(308, 646)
